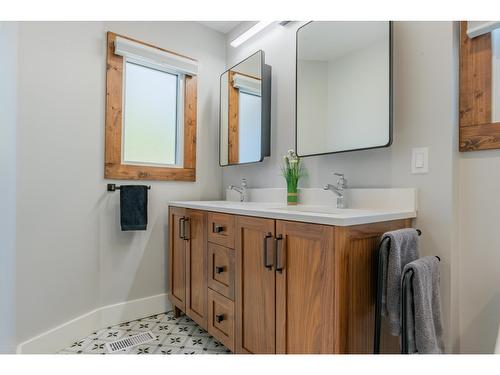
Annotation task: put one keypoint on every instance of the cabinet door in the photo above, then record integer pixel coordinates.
(304, 288)
(196, 266)
(255, 286)
(177, 258)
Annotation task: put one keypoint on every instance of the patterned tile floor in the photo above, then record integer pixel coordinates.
(173, 336)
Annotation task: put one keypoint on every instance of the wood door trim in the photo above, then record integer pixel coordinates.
(477, 131)
(480, 137)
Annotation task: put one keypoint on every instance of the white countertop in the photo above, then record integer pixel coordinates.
(319, 212)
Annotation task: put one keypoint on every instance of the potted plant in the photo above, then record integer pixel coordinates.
(292, 170)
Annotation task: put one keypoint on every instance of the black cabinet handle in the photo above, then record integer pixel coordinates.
(266, 252)
(219, 269)
(186, 224)
(219, 318)
(217, 228)
(279, 253)
(182, 229)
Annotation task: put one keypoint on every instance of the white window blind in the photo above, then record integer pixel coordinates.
(247, 84)
(477, 28)
(150, 56)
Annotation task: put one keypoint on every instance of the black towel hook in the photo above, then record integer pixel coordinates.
(113, 187)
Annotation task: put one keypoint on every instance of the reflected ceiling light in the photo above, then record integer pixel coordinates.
(259, 26)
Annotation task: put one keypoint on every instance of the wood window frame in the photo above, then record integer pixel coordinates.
(233, 121)
(477, 131)
(113, 166)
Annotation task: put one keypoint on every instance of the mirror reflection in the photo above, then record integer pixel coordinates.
(241, 112)
(495, 53)
(343, 87)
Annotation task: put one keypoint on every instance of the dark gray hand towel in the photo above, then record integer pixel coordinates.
(133, 207)
(424, 326)
(403, 250)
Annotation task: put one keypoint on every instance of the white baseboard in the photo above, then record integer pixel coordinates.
(60, 337)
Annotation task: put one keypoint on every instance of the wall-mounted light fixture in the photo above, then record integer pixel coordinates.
(259, 26)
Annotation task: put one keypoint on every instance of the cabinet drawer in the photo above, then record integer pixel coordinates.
(221, 229)
(221, 318)
(221, 270)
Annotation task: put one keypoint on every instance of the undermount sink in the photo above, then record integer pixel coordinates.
(319, 209)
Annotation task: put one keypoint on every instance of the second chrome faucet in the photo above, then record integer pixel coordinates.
(242, 190)
(338, 189)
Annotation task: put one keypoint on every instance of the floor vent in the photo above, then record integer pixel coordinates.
(123, 344)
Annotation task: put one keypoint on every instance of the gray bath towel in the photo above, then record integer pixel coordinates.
(423, 319)
(403, 250)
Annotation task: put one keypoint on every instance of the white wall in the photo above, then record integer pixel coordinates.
(425, 109)
(71, 255)
(479, 251)
(312, 114)
(358, 99)
(8, 113)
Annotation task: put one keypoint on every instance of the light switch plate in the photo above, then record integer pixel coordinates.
(420, 160)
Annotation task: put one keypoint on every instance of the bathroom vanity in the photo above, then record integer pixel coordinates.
(262, 277)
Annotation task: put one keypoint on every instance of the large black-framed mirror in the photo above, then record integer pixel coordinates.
(343, 86)
(245, 112)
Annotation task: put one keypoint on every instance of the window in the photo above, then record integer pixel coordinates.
(249, 127)
(150, 112)
(151, 116)
(479, 86)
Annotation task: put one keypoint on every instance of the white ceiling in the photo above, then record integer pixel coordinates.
(221, 26)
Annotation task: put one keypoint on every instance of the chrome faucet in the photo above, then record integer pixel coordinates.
(242, 190)
(338, 189)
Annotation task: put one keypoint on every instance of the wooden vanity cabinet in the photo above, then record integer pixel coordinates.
(177, 258)
(304, 270)
(188, 263)
(255, 298)
(298, 287)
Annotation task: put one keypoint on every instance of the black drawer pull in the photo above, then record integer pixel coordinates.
(279, 254)
(217, 228)
(219, 318)
(186, 232)
(266, 252)
(219, 269)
